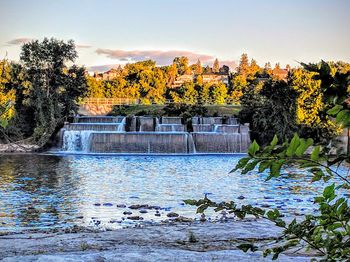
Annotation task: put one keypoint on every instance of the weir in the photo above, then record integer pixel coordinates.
(152, 135)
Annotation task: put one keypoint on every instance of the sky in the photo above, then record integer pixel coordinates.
(110, 32)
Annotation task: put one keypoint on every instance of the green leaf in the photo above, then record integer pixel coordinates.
(342, 116)
(335, 110)
(264, 165)
(294, 143)
(304, 145)
(274, 141)
(250, 166)
(328, 192)
(191, 202)
(4, 123)
(241, 164)
(315, 153)
(276, 168)
(253, 148)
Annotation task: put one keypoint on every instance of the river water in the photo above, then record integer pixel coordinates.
(48, 191)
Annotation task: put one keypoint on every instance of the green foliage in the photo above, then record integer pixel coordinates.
(47, 90)
(270, 111)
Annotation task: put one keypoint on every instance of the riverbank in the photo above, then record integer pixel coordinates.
(18, 148)
(170, 242)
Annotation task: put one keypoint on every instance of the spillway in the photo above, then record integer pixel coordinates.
(152, 135)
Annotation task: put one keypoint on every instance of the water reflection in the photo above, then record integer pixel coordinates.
(40, 191)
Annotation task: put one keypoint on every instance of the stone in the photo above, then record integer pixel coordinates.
(183, 219)
(135, 218)
(172, 214)
(138, 206)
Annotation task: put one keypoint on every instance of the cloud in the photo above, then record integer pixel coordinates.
(230, 63)
(19, 41)
(83, 46)
(161, 57)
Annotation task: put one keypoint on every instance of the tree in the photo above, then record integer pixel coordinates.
(243, 67)
(55, 88)
(198, 68)
(239, 84)
(95, 87)
(216, 66)
(327, 230)
(7, 97)
(218, 94)
(181, 64)
(270, 111)
(254, 69)
(310, 107)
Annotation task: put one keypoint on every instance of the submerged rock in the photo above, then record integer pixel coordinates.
(172, 214)
(183, 219)
(135, 218)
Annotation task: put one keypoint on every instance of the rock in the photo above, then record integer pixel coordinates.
(143, 211)
(135, 218)
(265, 205)
(241, 197)
(108, 204)
(172, 214)
(183, 219)
(202, 219)
(127, 213)
(79, 217)
(121, 205)
(97, 204)
(157, 214)
(138, 206)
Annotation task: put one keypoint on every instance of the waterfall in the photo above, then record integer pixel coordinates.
(121, 125)
(155, 136)
(170, 128)
(74, 140)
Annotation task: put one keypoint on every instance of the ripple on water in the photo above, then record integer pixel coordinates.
(41, 191)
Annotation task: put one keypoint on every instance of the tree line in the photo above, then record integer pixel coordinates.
(44, 89)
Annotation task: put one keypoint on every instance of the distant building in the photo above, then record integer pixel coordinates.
(213, 78)
(180, 80)
(280, 73)
(109, 75)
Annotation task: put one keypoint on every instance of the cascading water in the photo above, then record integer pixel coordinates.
(164, 136)
(76, 140)
(121, 125)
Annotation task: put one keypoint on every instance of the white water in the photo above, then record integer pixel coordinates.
(121, 125)
(75, 140)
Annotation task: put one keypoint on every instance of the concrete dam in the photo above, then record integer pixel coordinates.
(154, 135)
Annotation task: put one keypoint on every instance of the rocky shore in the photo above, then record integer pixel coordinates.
(194, 241)
(17, 148)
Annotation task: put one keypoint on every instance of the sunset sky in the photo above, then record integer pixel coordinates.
(114, 32)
